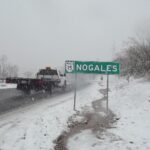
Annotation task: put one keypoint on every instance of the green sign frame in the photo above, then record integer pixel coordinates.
(92, 67)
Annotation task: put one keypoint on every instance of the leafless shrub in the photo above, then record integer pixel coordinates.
(136, 59)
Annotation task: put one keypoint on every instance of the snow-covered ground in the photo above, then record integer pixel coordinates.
(36, 126)
(4, 85)
(131, 103)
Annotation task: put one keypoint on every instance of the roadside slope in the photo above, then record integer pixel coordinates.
(130, 102)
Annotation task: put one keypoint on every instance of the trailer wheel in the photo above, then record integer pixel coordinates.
(51, 88)
(64, 86)
(18, 86)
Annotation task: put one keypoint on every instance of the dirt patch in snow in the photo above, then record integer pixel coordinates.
(94, 119)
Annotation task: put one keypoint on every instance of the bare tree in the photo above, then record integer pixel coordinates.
(7, 69)
(3, 64)
(136, 59)
(12, 70)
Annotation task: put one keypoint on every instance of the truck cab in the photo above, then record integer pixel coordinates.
(52, 75)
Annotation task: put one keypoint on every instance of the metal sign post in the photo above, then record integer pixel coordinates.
(75, 92)
(107, 107)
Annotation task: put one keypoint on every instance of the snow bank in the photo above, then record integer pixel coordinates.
(7, 86)
(130, 101)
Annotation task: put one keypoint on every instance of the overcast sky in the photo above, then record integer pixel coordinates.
(39, 33)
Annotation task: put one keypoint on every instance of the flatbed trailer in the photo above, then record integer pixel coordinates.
(46, 79)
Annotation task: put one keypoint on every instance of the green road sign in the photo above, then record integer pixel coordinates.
(92, 67)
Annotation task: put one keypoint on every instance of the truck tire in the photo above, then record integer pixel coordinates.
(49, 88)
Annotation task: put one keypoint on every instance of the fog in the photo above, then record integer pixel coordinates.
(39, 33)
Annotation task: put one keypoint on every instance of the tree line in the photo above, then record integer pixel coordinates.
(135, 59)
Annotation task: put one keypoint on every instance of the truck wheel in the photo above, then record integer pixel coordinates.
(49, 89)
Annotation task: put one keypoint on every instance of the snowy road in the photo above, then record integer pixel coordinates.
(36, 126)
(13, 99)
(8, 93)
